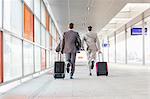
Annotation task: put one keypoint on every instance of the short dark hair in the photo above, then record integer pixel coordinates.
(71, 25)
(90, 28)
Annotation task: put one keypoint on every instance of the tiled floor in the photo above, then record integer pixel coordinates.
(123, 82)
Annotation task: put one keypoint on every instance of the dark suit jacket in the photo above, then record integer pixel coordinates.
(70, 40)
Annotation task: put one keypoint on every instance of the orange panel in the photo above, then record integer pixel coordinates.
(47, 21)
(49, 24)
(43, 65)
(28, 24)
(51, 41)
(1, 57)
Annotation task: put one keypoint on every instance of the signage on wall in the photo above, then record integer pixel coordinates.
(138, 31)
(105, 45)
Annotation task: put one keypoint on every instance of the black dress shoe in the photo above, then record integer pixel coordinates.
(71, 77)
(90, 74)
(92, 65)
(68, 68)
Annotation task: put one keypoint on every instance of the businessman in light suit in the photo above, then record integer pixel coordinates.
(69, 48)
(93, 46)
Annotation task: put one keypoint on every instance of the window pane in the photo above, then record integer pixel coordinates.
(51, 41)
(51, 57)
(50, 25)
(147, 42)
(53, 31)
(28, 58)
(37, 59)
(47, 21)
(37, 7)
(43, 65)
(47, 40)
(30, 3)
(120, 47)
(43, 14)
(0, 13)
(112, 50)
(13, 16)
(37, 31)
(12, 57)
(134, 42)
(43, 36)
(1, 59)
(28, 24)
(47, 59)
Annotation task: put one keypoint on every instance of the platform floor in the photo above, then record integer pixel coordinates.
(123, 82)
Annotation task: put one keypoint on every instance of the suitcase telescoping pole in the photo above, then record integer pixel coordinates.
(102, 57)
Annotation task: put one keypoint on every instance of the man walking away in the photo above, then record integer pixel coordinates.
(70, 39)
(93, 46)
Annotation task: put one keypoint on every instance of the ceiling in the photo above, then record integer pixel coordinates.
(82, 13)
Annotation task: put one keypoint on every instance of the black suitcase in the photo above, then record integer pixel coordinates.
(101, 67)
(59, 69)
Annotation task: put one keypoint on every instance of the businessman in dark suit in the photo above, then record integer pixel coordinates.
(70, 46)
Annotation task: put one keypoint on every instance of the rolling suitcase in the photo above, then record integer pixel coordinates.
(101, 67)
(59, 69)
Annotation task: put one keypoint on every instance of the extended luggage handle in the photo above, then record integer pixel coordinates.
(59, 55)
(102, 56)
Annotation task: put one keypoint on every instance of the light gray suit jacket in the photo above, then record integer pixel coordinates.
(92, 41)
(69, 41)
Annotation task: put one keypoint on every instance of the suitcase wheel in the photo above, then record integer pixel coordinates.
(63, 76)
(107, 74)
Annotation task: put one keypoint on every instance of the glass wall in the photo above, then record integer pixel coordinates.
(47, 40)
(13, 16)
(28, 58)
(147, 41)
(120, 47)
(112, 49)
(23, 22)
(37, 31)
(43, 14)
(28, 24)
(47, 59)
(43, 65)
(134, 47)
(43, 36)
(12, 57)
(37, 59)
(37, 7)
(29, 3)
